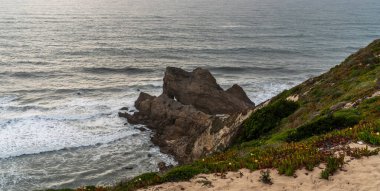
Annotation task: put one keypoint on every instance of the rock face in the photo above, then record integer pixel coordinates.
(193, 116)
(199, 88)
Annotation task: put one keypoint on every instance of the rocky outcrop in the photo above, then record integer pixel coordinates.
(194, 116)
(199, 88)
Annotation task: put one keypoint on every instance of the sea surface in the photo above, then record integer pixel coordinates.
(68, 66)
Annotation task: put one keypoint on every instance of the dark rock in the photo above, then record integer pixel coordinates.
(140, 128)
(128, 168)
(187, 126)
(124, 108)
(123, 114)
(199, 88)
(163, 167)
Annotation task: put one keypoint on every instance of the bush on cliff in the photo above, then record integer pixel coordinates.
(324, 124)
(267, 118)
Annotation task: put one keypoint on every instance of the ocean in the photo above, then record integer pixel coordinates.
(67, 67)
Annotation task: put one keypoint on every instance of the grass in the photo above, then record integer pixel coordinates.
(333, 164)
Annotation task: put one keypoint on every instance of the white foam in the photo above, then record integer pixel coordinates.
(75, 123)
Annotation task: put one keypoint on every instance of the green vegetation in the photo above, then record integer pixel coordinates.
(182, 173)
(324, 124)
(267, 118)
(333, 164)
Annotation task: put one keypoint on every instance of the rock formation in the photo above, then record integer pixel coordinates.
(193, 116)
(199, 88)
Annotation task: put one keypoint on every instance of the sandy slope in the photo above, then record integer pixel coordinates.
(362, 174)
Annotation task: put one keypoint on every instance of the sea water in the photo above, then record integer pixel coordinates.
(67, 67)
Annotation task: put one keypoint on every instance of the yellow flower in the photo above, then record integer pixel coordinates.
(229, 163)
(256, 161)
(377, 133)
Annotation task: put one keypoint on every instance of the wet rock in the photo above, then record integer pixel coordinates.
(163, 167)
(128, 167)
(123, 114)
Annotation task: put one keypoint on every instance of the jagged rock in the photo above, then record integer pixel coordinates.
(124, 108)
(183, 126)
(199, 88)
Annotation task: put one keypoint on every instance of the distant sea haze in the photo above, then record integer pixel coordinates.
(67, 67)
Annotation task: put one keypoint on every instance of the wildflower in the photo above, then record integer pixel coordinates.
(256, 161)
(139, 179)
(377, 133)
(203, 160)
(350, 128)
(229, 163)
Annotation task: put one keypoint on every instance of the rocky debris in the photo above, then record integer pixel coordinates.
(194, 116)
(375, 94)
(338, 106)
(293, 98)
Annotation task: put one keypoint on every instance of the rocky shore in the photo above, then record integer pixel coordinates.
(194, 116)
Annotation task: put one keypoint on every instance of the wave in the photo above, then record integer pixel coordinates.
(125, 70)
(32, 74)
(258, 70)
(80, 123)
(252, 69)
(53, 147)
(182, 52)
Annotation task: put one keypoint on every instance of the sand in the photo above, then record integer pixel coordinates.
(357, 175)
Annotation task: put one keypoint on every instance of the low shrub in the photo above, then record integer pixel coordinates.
(139, 182)
(362, 152)
(181, 173)
(265, 177)
(333, 164)
(325, 124)
(370, 137)
(267, 118)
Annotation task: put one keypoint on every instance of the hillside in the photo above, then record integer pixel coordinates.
(305, 126)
